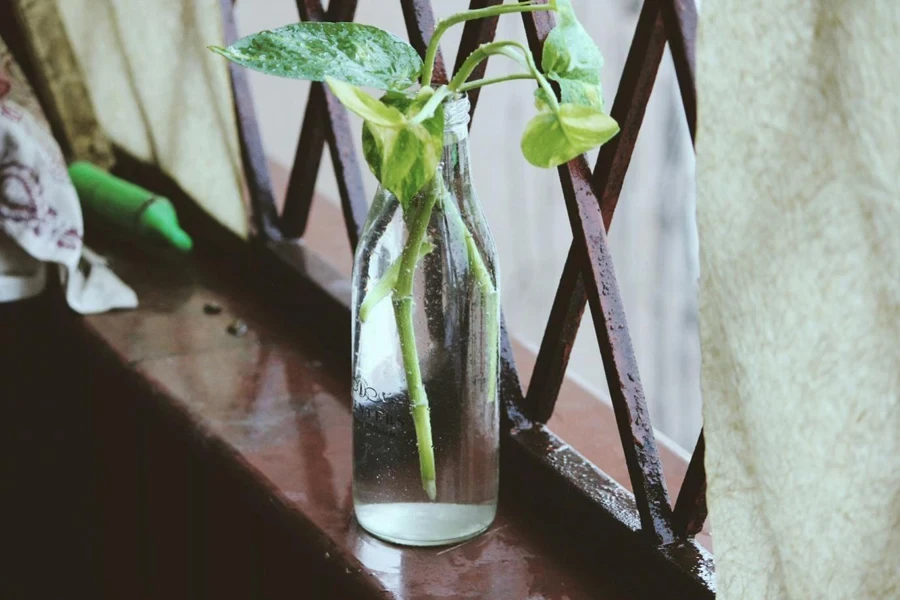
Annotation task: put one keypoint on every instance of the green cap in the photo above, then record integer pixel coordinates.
(126, 208)
(158, 220)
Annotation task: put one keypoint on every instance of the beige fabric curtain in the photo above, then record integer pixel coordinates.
(161, 95)
(799, 221)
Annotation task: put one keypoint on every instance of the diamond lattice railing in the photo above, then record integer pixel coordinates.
(590, 196)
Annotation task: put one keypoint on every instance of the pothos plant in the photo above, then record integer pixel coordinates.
(403, 135)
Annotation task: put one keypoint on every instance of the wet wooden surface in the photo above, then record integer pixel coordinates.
(229, 465)
(201, 464)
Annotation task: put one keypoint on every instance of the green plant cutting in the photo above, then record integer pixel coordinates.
(403, 136)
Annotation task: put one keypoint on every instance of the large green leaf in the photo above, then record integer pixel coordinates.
(551, 138)
(358, 54)
(405, 158)
(573, 60)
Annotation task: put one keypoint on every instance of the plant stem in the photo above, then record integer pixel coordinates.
(471, 85)
(431, 105)
(542, 81)
(403, 314)
(505, 48)
(479, 13)
(489, 291)
(478, 55)
(491, 314)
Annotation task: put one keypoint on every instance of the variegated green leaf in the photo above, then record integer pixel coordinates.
(359, 54)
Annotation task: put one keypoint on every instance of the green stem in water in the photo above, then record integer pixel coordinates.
(491, 309)
(491, 314)
(403, 314)
(479, 13)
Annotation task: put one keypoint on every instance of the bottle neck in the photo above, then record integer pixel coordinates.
(456, 169)
(456, 156)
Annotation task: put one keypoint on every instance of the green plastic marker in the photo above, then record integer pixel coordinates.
(127, 208)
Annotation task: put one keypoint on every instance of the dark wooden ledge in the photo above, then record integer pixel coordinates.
(216, 466)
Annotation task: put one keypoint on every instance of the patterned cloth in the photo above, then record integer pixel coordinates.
(40, 216)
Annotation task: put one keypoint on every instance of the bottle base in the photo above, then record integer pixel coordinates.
(425, 524)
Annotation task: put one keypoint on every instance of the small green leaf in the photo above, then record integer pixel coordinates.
(405, 158)
(573, 60)
(364, 105)
(551, 139)
(359, 54)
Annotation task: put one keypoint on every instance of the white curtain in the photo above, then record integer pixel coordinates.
(798, 214)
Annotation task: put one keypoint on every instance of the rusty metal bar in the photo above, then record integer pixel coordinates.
(537, 27)
(325, 120)
(264, 213)
(302, 183)
(510, 388)
(311, 10)
(635, 87)
(476, 33)
(619, 363)
(419, 19)
(680, 17)
(559, 338)
(346, 167)
(341, 10)
(690, 507)
(629, 107)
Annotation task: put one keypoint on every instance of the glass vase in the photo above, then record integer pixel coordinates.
(425, 358)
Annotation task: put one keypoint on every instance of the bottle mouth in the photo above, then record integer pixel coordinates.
(456, 111)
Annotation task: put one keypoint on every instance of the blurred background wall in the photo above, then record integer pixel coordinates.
(653, 235)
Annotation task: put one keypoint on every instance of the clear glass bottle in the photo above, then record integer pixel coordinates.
(426, 464)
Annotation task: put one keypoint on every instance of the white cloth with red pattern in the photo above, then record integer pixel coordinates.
(41, 221)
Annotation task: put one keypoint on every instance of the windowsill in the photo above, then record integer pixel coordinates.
(267, 418)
